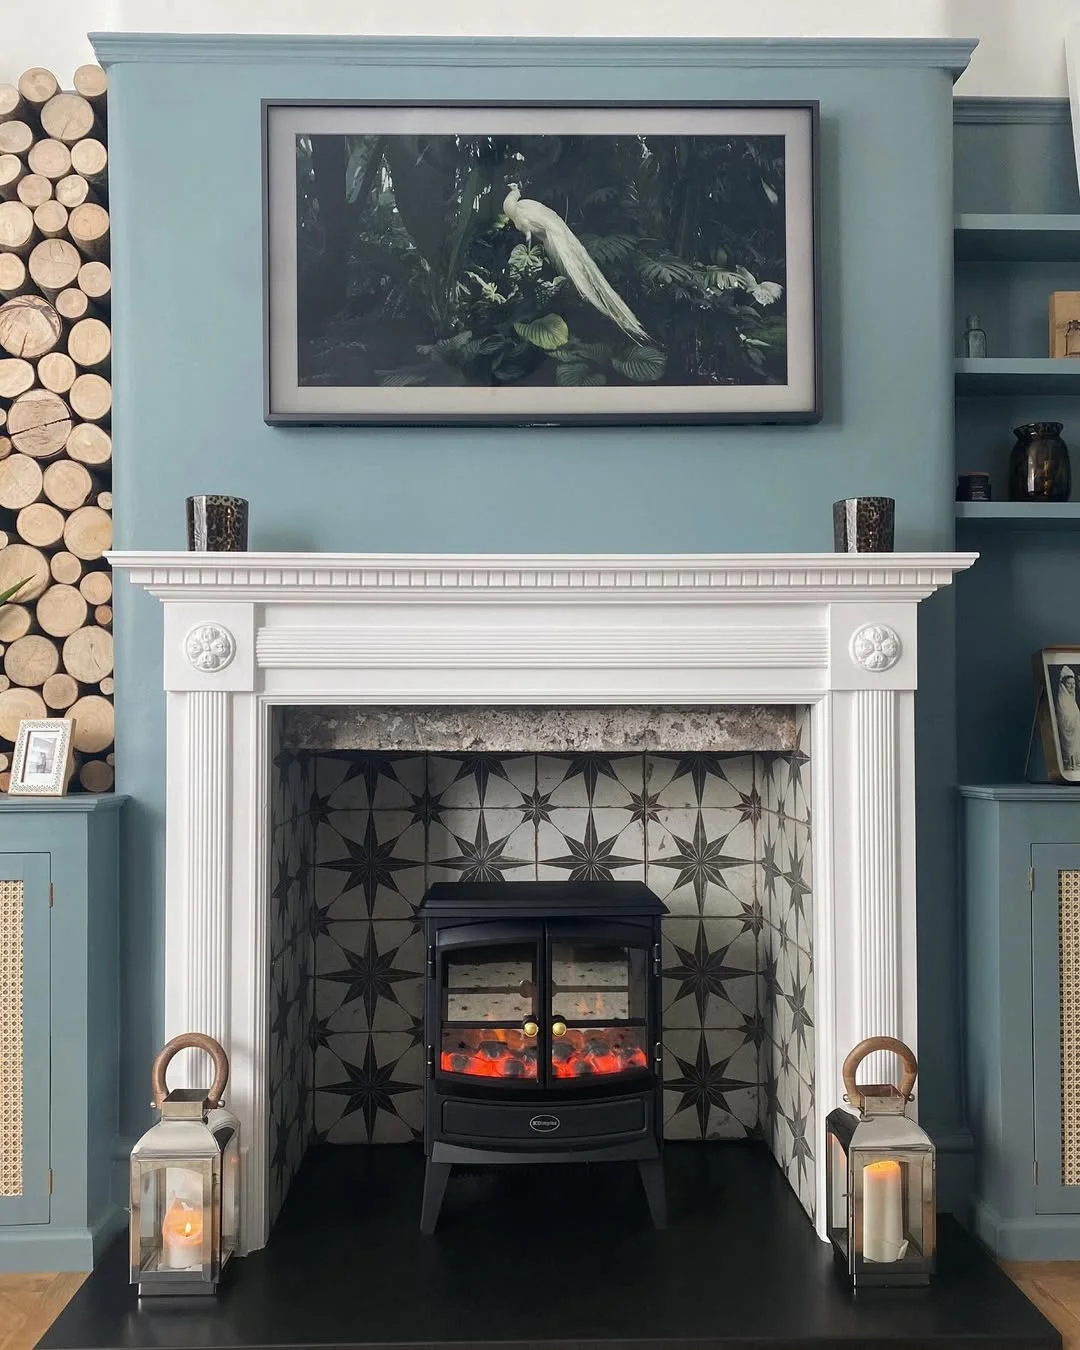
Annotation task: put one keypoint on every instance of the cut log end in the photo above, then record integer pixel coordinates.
(38, 85)
(29, 325)
(17, 704)
(60, 691)
(68, 118)
(39, 423)
(97, 776)
(51, 159)
(88, 533)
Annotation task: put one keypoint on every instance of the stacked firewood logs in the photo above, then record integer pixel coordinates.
(56, 644)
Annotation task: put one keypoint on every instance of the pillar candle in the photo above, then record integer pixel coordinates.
(883, 1211)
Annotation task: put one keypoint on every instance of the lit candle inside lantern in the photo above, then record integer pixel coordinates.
(883, 1212)
(181, 1237)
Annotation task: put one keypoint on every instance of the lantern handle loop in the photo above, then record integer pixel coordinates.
(868, 1047)
(190, 1040)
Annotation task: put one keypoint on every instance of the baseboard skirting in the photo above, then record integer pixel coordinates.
(1041, 1237)
(31, 1248)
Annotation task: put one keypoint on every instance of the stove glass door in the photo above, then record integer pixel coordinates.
(489, 1013)
(599, 1014)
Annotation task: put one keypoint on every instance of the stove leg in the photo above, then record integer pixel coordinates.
(436, 1175)
(651, 1171)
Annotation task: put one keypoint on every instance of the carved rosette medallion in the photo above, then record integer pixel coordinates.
(875, 647)
(209, 647)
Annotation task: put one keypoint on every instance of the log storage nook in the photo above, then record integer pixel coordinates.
(56, 649)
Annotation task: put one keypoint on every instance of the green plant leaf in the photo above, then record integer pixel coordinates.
(547, 332)
(525, 259)
(12, 591)
(609, 248)
(643, 365)
(400, 379)
(576, 375)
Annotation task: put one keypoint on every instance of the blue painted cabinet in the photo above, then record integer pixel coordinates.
(1022, 986)
(59, 1030)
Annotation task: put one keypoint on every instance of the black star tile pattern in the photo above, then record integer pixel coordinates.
(738, 990)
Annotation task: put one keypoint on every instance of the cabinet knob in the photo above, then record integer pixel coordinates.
(529, 1027)
(558, 1029)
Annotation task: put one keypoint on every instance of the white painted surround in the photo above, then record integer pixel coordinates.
(246, 632)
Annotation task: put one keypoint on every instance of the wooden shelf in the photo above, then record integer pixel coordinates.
(1022, 515)
(995, 376)
(1017, 238)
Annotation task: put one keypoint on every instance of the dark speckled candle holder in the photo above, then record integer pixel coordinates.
(217, 524)
(863, 525)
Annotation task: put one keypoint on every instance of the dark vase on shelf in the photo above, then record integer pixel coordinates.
(1039, 464)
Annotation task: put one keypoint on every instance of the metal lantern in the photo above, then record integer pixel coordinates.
(185, 1182)
(881, 1180)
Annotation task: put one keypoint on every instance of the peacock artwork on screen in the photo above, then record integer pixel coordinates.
(540, 263)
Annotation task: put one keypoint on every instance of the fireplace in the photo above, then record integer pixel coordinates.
(835, 635)
(542, 1028)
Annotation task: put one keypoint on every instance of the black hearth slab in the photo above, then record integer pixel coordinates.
(539, 899)
(555, 1259)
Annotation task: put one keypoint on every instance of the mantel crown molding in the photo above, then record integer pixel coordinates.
(525, 578)
(951, 54)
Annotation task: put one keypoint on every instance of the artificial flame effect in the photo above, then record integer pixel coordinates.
(507, 1053)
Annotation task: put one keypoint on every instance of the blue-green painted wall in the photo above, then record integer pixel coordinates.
(185, 182)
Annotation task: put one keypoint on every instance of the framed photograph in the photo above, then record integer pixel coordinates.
(41, 765)
(1057, 677)
(541, 263)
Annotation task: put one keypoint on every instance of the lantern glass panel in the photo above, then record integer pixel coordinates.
(837, 1193)
(172, 1219)
(892, 1212)
(230, 1197)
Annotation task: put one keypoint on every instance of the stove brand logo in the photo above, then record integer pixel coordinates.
(544, 1124)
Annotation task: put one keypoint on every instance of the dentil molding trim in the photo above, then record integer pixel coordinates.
(766, 578)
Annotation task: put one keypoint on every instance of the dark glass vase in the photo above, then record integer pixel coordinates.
(1039, 464)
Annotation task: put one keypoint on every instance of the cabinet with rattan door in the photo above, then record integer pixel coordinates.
(59, 1023)
(1022, 987)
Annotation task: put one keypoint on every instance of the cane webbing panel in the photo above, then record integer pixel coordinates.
(1069, 948)
(11, 1036)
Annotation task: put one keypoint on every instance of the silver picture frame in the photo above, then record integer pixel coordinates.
(755, 337)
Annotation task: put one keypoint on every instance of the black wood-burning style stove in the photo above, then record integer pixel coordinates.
(542, 1019)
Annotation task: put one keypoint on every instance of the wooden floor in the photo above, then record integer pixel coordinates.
(30, 1303)
(1054, 1288)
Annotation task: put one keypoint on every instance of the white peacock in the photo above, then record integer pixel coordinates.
(566, 252)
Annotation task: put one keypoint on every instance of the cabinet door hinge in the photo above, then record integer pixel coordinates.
(50, 1181)
(50, 895)
(1031, 879)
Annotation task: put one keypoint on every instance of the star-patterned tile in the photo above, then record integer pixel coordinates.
(590, 780)
(489, 845)
(710, 1085)
(469, 782)
(379, 858)
(710, 973)
(369, 976)
(366, 1089)
(579, 844)
(712, 781)
(701, 861)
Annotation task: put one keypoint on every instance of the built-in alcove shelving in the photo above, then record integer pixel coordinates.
(1021, 515)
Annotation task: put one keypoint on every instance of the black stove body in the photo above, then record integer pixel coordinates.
(542, 1029)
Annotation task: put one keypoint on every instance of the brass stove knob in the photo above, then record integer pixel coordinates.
(530, 1028)
(558, 1029)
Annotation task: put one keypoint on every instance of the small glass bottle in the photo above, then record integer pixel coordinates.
(973, 342)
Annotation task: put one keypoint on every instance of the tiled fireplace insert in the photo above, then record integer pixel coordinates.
(722, 838)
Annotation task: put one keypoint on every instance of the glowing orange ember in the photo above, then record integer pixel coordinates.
(503, 1053)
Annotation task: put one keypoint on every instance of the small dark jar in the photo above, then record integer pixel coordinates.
(1039, 464)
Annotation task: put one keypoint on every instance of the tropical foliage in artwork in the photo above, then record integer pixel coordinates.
(541, 260)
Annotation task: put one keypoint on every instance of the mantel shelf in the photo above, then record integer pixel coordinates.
(1021, 515)
(992, 377)
(1017, 238)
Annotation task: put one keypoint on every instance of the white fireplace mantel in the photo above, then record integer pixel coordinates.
(247, 631)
